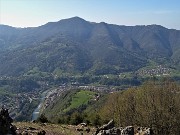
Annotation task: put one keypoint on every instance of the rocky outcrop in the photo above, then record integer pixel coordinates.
(110, 129)
(143, 131)
(82, 127)
(6, 126)
(128, 131)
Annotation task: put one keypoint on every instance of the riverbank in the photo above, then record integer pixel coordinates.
(36, 112)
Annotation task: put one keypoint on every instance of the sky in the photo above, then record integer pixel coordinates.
(33, 13)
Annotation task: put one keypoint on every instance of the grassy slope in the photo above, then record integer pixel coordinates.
(66, 102)
(80, 98)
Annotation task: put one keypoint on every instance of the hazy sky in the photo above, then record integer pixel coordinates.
(26, 13)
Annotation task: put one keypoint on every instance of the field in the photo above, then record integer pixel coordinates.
(80, 98)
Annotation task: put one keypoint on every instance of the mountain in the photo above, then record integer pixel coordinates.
(76, 46)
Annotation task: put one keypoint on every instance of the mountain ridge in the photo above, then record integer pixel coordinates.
(92, 22)
(96, 48)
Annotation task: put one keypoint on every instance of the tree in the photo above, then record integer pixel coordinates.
(76, 118)
(42, 119)
(155, 105)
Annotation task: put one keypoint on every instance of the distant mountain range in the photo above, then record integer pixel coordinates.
(77, 46)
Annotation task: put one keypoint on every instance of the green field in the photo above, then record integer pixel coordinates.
(80, 98)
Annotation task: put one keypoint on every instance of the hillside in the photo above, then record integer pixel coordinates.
(69, 104)
(154, 104)
(76, 46)
(74, 52)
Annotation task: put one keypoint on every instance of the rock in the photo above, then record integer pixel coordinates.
(102, 132)
(83, 124)
(107, 129)
(31, 128)
(148, 131)
(41, 132)
(128, 131)
(33, 121)
(79, 129)
(124, 131)
(107, 126)
(144, 131)
(5, 123)
(43, 124)
(24, 133)
(13, 129)
(87, 129)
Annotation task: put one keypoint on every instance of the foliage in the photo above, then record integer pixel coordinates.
(42, 119)
(154, 105)
(76, 118)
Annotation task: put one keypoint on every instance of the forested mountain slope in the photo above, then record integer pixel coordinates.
(77, 46)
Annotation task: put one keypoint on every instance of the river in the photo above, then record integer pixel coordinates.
(36, 112)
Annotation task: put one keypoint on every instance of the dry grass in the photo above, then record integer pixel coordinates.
(53, 129)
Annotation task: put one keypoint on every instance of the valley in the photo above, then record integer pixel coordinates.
(21, 105)
(65, 75)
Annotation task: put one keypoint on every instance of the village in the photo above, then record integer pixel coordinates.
(52, 94)
(26, 102)
(158, 71)
(18, 103)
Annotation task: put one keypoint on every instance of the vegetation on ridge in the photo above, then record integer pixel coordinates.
(154, 105)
